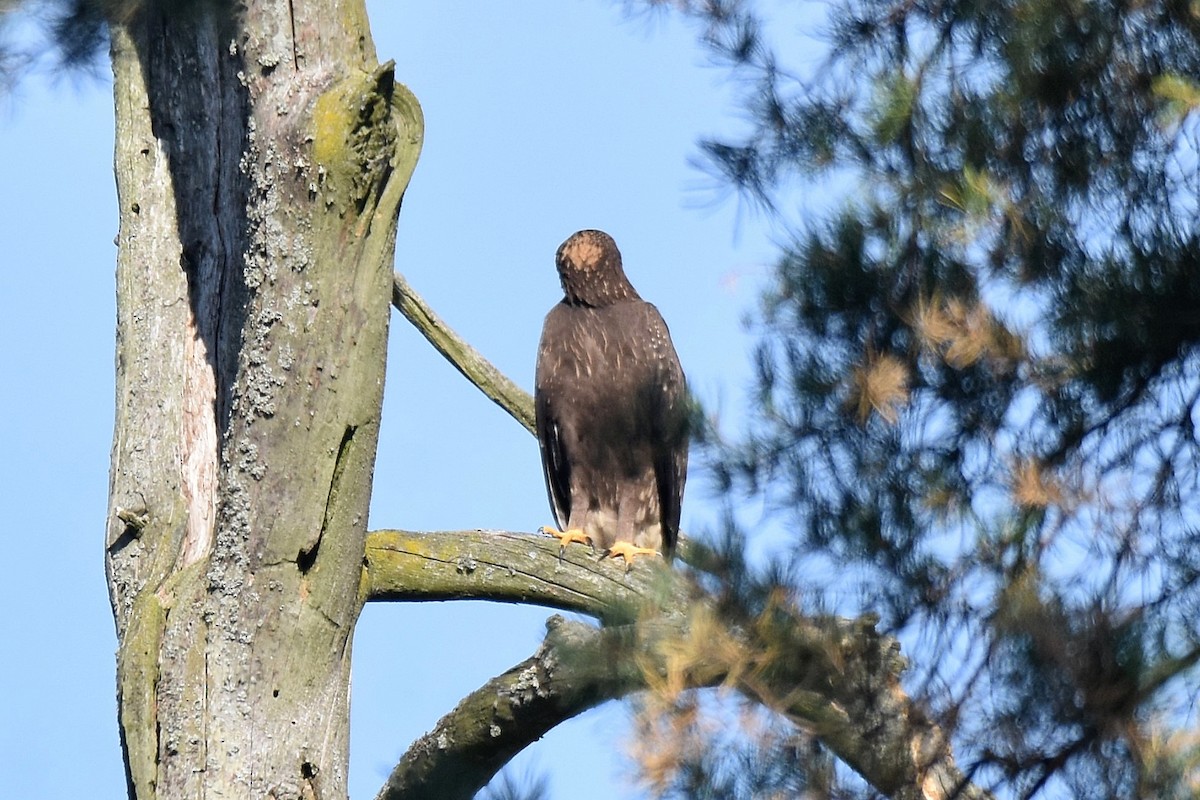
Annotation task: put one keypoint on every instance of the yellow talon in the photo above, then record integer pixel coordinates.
(628, 551)
(567, 537)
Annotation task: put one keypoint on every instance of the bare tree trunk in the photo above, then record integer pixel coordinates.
(261, 157)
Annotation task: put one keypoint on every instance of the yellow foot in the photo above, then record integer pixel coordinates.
(628, 551)
(567, 537)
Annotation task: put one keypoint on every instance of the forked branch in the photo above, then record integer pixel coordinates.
(838, 679)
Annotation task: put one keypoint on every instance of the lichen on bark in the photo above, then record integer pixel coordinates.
(253, 281)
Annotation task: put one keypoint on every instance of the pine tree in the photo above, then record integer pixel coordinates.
(979, 377)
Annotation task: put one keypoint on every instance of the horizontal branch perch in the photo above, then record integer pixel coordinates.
(512, 568)
(466, 359)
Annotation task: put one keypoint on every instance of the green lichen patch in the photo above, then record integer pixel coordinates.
(354, 136)
(137, 679)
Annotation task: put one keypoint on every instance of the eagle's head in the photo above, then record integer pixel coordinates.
(589, 266)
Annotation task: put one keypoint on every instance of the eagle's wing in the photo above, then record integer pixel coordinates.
(670, 427)
(670, 470)
(556, 467)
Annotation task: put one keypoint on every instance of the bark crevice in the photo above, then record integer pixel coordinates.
(252, 323)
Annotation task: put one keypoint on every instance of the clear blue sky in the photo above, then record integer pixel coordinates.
(542, 118)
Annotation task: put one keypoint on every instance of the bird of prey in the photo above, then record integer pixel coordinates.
(611, 408)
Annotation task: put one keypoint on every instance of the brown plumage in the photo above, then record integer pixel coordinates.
(611, 405)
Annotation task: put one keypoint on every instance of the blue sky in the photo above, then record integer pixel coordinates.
(542, 118)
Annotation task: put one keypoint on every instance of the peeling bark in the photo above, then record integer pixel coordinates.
(261, 160)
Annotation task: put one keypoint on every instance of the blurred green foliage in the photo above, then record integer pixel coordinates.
(978, 373)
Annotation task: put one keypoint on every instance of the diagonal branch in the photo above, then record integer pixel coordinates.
(837, 678)
(466, 359)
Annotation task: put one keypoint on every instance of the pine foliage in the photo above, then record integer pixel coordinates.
(978, 379)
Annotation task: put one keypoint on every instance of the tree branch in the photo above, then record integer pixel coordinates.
(403, 566)
(576, 668)
(836, 678)
(466, 359)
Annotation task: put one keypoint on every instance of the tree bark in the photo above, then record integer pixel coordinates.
(514, 568)
(261, 159)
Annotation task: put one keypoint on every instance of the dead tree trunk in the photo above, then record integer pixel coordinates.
(261, 157)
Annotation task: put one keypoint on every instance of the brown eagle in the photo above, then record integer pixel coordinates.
(611, 408)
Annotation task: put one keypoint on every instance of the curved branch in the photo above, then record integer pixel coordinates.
(466, 359)
(837, 678)
(573, 670)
